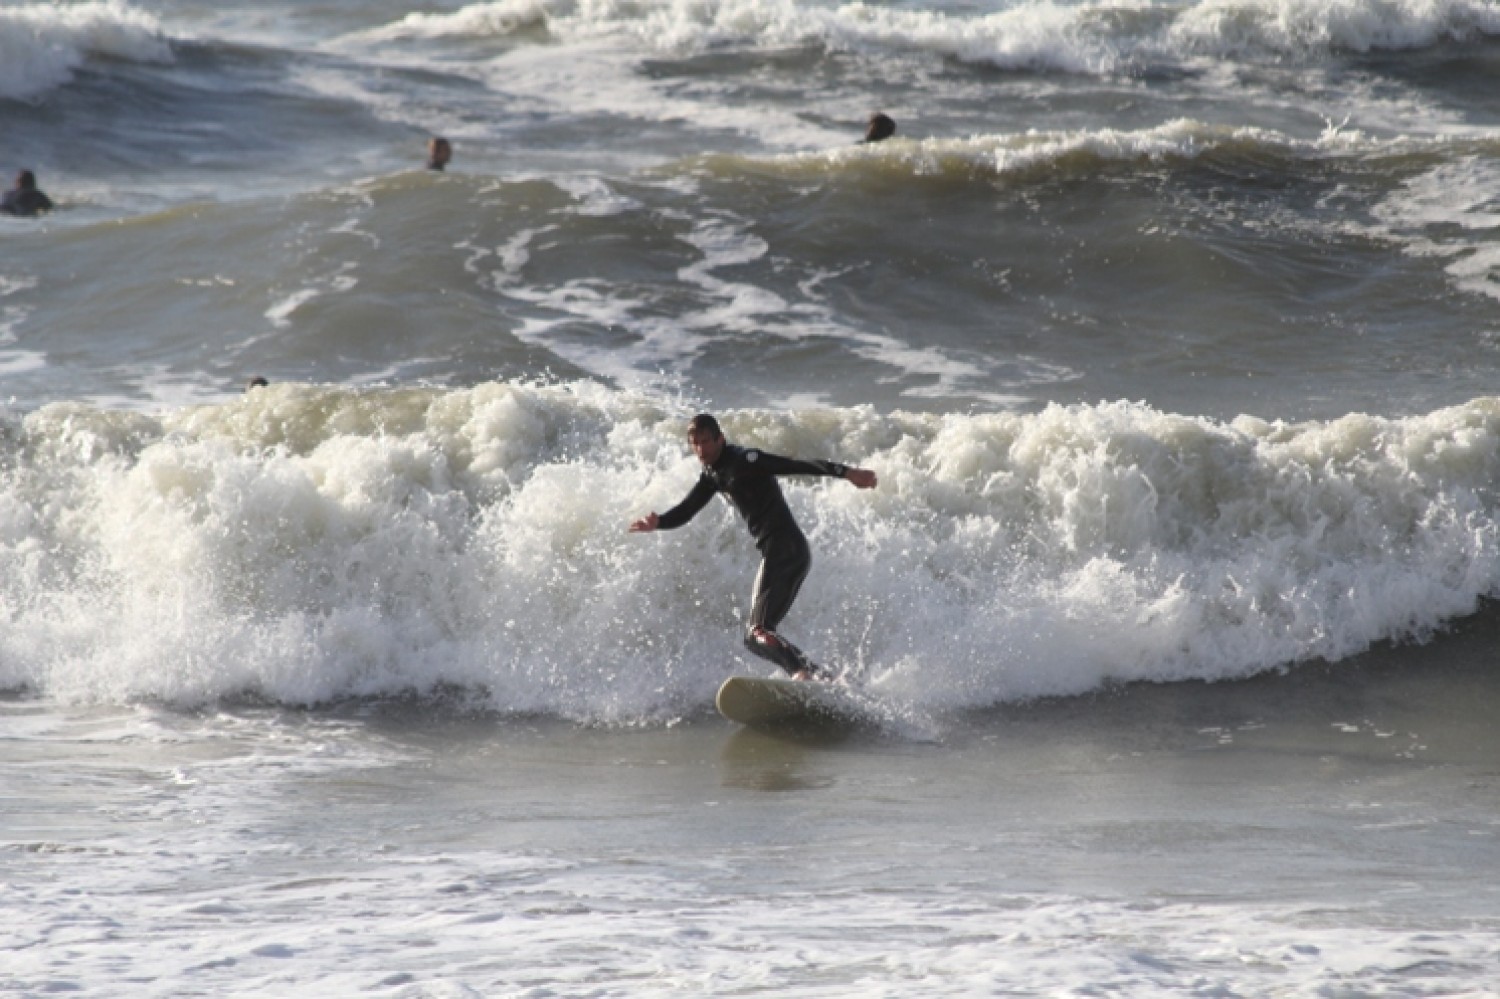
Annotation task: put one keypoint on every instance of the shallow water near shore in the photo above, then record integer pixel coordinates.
(1330, 829)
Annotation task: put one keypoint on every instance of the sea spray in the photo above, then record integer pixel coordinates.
(306, 544)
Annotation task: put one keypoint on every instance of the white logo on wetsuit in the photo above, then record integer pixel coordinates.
(751, 455)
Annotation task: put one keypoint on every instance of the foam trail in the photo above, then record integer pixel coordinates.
(307, 544)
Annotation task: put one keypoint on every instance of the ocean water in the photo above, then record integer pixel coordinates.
(1171, 327)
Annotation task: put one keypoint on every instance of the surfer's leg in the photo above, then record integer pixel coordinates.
(782, 570)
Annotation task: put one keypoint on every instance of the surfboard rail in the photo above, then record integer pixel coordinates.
(775, 702)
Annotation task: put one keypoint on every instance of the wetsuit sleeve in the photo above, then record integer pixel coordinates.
(775, 464)
(689, 507)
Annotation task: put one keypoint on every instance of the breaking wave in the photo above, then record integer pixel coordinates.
(306, 544)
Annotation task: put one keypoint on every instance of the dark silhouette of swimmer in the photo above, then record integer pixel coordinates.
(439, 152)
(256, 382)
(881, 127)
(24, 199)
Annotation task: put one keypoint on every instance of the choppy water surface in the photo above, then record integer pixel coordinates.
(1172, 329)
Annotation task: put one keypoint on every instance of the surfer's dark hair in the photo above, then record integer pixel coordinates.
(704, 422)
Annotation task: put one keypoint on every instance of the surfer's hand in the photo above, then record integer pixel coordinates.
(862, 478)
(645, 525)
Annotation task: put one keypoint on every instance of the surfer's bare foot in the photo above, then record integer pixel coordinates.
(804, 674)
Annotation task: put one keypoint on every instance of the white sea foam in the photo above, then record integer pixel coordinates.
(475, 20)
(42, 45)
(1032, 151)
(1104, 36)
(311, 544)
(1225, 27)
(659, 344)
(569, 927)
(1450, 212)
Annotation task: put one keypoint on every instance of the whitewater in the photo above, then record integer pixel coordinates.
(307, 545)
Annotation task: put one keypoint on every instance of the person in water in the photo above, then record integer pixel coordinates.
(439, 152)
(881, 126)
(747, 477)
(24, 199)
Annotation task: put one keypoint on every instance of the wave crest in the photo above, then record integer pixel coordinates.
(1103, 37)
(42, 45)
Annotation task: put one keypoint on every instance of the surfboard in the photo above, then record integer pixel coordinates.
(772, 703)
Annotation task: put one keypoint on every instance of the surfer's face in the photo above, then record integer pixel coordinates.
(706, 445)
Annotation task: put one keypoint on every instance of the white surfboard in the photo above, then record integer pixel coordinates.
(772, 703)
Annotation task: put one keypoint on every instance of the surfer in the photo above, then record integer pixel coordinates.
(25, 199)
(747, 476)
(439, 152)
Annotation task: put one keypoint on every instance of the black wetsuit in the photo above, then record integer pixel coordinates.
(24, 201)
(747, 476)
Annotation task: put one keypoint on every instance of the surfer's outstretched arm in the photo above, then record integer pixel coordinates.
(680, 514)
(775, 464)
